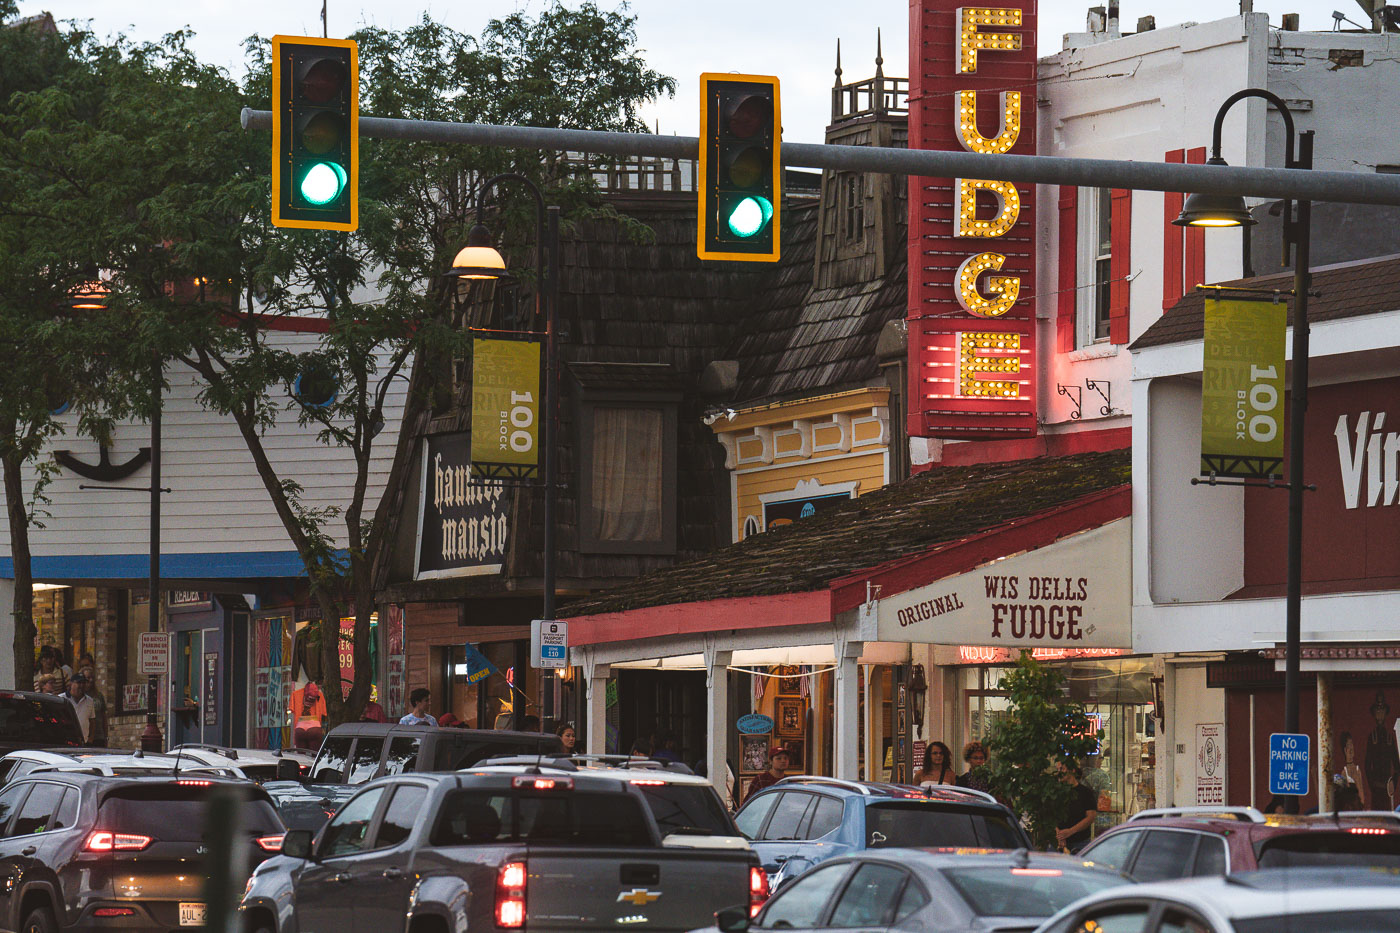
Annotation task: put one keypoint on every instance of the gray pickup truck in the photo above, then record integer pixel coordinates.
(549, 847)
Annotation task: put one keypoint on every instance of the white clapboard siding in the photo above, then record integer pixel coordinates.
(217, 503)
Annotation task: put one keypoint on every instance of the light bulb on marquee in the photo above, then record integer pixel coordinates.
(988, 352)
(1008, 208)
(965, 119)
(970, 40)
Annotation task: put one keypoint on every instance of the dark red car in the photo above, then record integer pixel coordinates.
(1181, 842)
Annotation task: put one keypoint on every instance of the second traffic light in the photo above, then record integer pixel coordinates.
(740, 181)
(315, 133)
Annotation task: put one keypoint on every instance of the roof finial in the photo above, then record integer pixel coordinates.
(838, 62)
(879, 55)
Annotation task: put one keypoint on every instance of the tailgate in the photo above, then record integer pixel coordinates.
(655, 889)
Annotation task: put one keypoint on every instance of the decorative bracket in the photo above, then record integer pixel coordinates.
(1105, 390)
(1076, 396)
(104, 470)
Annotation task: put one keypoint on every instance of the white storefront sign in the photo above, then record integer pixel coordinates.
(1075, 593)
(1210, 763)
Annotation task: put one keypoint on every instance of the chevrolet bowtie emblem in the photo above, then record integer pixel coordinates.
(638, 897)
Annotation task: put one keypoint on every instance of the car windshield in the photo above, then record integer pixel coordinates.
(175, 813)
(1343, 918)
(1368, 847)
(34, 722)
(919, 824)
(690, 809)
(1003, 891)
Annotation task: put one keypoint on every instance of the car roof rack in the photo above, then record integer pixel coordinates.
(1389, 815)
(627, 761)
(1243, 814)
(953, 789)
(830, 781)
(558, 764)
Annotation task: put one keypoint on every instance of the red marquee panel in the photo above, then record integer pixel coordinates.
(972, 353)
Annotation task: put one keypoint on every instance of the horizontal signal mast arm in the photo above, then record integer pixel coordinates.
(1297, 184)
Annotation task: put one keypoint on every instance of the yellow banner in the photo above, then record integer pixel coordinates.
(505, 408)
(1242, 389)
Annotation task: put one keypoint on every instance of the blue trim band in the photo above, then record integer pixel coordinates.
(136, 567)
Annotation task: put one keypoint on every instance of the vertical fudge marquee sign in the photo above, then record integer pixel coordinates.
(972, 240)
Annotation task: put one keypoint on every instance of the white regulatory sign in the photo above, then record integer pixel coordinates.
(549, 643)
(155, 653)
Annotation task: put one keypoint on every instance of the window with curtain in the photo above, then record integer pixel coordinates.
(627, 462)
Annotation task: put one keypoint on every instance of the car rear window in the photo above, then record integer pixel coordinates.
(175, 812)
(34, 722)
(1343, 918)
(996, 891)
(692, 809)
(560, 818)
(1369, 847)
(888, 825)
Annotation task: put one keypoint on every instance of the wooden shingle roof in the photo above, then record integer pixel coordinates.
(1348, 289)
(934, 508)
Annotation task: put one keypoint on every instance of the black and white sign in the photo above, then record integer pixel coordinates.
(462, 521)
(549, 643)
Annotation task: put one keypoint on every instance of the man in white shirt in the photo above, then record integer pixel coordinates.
(419, 715)
(82, 704)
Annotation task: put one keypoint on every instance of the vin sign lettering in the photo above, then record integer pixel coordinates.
(462, 519)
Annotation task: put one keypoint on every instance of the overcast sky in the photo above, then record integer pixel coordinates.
(794, 39)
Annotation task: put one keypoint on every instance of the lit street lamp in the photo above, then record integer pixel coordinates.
(1206, 210)
(479, 260)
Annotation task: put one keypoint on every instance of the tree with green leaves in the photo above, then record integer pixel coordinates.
(1041, 729)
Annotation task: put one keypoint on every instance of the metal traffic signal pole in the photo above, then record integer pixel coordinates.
(1345, 187)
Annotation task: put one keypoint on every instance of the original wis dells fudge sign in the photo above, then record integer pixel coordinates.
(462, 522)
(1075, 593)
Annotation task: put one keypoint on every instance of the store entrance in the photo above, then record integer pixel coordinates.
(662, 705)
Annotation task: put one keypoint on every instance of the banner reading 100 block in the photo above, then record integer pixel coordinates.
(1242, 402)
(505, 408)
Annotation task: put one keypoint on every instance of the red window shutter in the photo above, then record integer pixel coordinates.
(1120, 263)
(1069, 236)
(1171, 239)
(1195, 236)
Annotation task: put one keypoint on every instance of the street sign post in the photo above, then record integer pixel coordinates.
(155, 653)
(1289, 757)
(549, 643)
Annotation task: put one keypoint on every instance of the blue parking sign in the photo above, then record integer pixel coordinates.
(1289, 758)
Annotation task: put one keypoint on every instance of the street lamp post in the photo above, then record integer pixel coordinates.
(480, 260)
(1201, 210)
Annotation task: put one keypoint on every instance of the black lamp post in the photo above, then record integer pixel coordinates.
(480, 260)
(1202, 210)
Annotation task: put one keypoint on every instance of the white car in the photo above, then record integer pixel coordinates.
(1314, 899)
(104, 760)
(255, 764)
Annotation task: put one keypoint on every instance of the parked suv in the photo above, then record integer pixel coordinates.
(87, 851)
(107, 761)
(1181, 842)
(359, 751)
(801, 821)
(36, 720)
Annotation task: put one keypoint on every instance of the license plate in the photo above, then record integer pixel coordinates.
(191, 915)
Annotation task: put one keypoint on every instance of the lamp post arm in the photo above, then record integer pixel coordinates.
(1272, 98)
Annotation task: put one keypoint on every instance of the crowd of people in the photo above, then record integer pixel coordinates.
(54, 676)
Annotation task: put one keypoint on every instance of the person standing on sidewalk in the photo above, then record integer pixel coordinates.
(778, 761)
(418, 715)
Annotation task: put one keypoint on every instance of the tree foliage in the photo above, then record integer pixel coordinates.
(1041, 727)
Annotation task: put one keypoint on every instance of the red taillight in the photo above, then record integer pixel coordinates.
(510, 896)
(1368, 830)
(528, 782)
(103, 841)
(114, 912)
(647, 783)
(191, 782)
(758, 889)
(1038, 872)
(271, 843)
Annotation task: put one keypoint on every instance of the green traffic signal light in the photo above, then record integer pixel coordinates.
(323, 183)
(740, 181)
(749, 216)
(315, 137)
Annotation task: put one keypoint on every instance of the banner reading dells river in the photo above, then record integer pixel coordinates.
(1242, 390)
(505, 408)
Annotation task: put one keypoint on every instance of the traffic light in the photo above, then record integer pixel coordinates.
(740, 198)
(315, 133)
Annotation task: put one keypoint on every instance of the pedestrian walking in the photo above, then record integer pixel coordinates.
(568, 738)
(778, 760)
(87, 667)
(975, 777)
(83, 706)
(418, 715)
(938, 767)
(1077, 819)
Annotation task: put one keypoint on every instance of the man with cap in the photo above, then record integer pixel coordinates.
(82, 704)
(778, 760)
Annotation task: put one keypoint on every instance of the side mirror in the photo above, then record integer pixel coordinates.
(288, 769)
(733, 919)
(297, 843)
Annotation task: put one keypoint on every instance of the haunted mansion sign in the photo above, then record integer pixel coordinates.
(462, 520)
